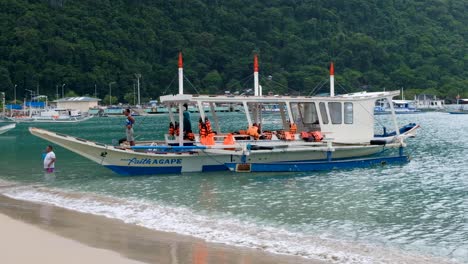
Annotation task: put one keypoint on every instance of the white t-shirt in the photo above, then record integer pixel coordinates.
(48, 158)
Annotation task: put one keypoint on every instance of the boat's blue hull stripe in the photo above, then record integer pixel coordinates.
(207, 168)
(296, 166)
(320, 166)
(130, 170)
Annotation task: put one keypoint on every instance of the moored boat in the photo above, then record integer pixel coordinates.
(55, 115)
(400, 107)
(460, 110)
(6, 128)
(316, 133)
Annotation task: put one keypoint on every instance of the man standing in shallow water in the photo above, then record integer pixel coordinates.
(49, 160)
(129, 127)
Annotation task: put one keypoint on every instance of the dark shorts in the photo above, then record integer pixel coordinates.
(49, 170)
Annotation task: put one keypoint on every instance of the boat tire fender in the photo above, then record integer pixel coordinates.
(378, 142)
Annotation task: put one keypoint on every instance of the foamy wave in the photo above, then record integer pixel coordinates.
(6, 183)
(218, 229)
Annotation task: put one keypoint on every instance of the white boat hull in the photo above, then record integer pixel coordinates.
(40, 119)
(6, 128)
(130, 162)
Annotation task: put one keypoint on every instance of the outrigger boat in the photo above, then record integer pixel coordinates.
(319, 133)
(6, 128)
(51, 116)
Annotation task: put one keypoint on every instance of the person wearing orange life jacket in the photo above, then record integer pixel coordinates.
(293, 128)
(202, 130)
(253, 131)
(203, 134)
(171, 129)
(208, 126)
(176, 128)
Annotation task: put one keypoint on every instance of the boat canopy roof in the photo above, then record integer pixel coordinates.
(362, 96)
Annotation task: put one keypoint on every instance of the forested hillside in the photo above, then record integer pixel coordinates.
(376, 44)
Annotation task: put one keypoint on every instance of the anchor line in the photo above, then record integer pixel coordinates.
(211, 157)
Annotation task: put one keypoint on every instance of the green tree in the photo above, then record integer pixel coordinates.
(212, 82)
(71, 93)
(130, 98)
(110, 100)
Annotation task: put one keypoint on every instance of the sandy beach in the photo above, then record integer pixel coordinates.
(25, 243)
(47, 234)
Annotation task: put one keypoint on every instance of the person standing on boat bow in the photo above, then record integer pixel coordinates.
(129, 127)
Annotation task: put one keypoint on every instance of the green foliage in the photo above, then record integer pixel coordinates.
(107, 100)
(130, 98)
(375, 44)
(212, 82)
(71, 93)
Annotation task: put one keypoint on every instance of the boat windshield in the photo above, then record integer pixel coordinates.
(306, 116)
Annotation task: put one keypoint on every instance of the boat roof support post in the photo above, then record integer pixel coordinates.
(171, 114)
(215, 117)
(290, 115)
(257, 111)
(283, 115)
(395, 123)
(201, 110)
(181, 124)
(247, 113)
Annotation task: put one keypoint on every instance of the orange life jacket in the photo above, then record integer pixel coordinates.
(171, 129)
(176, 128)
(203, 133)
(191, 136)
(253, 131)
(317, 135)
(208, 126)
(293, 128)
(229, 140)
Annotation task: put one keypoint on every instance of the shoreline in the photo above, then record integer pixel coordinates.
(104, 239)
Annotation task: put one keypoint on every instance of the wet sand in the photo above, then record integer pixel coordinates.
(43, 233)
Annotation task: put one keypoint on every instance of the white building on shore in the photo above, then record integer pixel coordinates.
(79, 103)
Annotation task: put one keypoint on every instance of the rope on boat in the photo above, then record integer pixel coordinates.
(104, 154)
(211, 157)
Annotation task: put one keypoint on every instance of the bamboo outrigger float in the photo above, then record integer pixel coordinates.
(319, 133)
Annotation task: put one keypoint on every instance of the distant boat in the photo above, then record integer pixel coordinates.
(51, 116)
(6, 128)
(426, 102)
(400, 106)
(460, 110)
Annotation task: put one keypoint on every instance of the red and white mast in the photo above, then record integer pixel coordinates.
(181, 74)
(257, 91)
(181, 91)
(332, 80)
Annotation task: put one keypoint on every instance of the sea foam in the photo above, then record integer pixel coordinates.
(227, 229)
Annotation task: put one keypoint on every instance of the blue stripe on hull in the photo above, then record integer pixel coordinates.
(318, 166)
(210, 168)
(127, 170)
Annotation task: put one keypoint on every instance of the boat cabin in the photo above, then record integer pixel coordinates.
(345, 118)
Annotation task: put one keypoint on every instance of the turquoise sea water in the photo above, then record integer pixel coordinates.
(381, 214)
